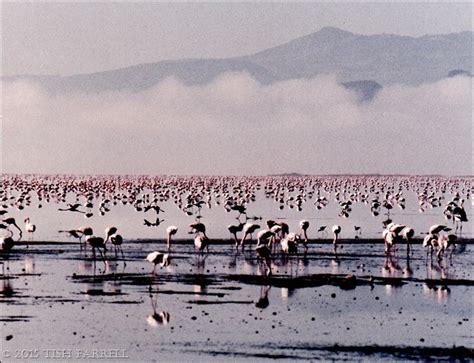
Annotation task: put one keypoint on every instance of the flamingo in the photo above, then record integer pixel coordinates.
(72, 208)
(156, 258)
(109, 231)
(391, 235)
(170, 231)
(430, 241)
(201, 242)
(408, 234)
(153, 224)
(460, 216)
(198, 228)
(29, 227)
(248, 229)
(388, 238)
(263, 249)
(444, 242)
(11, 222)
(322, 229)
(73, 233)
(117, 240)
(357, 229)
(7, 242)
(336, 229)
(437, 228)
(85, 231)
(304, 225)
(233, 229)
(97, 242)
(289, 244)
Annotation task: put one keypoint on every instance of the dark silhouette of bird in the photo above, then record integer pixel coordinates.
(153, 224)
(198, 228)
(109, 231)
(336, 230)
(97, 243)
(72, 208)
(6, 242)
(11, 222)
(234, 229)
(117, 241)
(156, 208)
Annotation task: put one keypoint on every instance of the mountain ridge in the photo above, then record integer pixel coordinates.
(384, 59)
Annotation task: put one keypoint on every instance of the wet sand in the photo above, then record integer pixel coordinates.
(57, 304)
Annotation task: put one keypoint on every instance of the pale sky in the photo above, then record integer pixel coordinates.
(233, 125)
(82, 37)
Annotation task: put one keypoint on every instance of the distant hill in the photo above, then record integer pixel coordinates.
(361, 63)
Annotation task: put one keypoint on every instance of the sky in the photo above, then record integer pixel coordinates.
(81, 37)
(233, 125)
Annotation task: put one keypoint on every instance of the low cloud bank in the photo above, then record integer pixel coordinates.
(235, 125)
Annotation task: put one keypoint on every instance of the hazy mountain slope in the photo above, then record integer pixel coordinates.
(381, 59)
(386, 59)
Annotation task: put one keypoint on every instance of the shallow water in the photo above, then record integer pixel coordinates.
(69, 304)
(59, 304)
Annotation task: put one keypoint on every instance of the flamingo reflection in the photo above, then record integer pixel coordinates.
(263, 301)
(157, 318)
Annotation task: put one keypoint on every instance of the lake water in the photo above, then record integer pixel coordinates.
(59, 304)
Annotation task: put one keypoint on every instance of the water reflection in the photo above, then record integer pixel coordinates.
(287, 292)
(439, 293)
(408, 271)
(157, 318)
(6, 289)
(29, 265)
(263, 301)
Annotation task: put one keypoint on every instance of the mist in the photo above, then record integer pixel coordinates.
(237, 126)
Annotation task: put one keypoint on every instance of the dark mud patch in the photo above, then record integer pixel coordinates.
(347, 352)
(200, 293)
(16, 318)
(126, 302)
(345, 282)
(148, 279)
(208, 302)
(100, 292)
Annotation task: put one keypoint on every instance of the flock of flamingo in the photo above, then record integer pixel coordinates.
(92, 195)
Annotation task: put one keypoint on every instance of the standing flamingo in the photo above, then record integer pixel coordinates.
(336, 229)
(248, 229)
(7, 242)
(30, 227)
(233, 229)
(201, 242)
(158, 258)
(109, 231)
(460, 216)
(408, 234)
(197, 228)
(444, 242)
(304, 225)
(170, 231)
(263, 249)
(97, 243)
(117, 240)
(11, 222)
